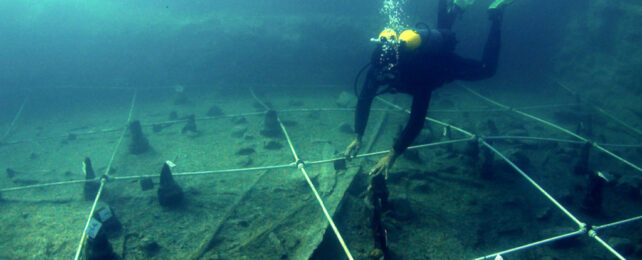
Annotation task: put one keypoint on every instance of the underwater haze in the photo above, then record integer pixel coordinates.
(150, 43)
(220, 129)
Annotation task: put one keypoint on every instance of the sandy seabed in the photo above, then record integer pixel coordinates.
(443, 207)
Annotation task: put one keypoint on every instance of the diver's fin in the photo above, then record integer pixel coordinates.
(498, 4)
(463, 4)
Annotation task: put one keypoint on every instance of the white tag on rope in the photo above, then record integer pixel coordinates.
(105, 214)
(93, 228)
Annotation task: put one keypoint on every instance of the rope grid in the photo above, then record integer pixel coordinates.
(298, 163)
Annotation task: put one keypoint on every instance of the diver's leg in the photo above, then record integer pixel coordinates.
(469, 69)
(491, 48)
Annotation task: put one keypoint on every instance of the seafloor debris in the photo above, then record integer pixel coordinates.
(149, 246)
(401, 209)
(413, 156)
(630, 185)
(340, 165)
(11, 173)
(99, 247)
(146, 183)
(581, 166)
(346, 99)
(289, 123)
(624, 246)
(110, 223)
(159, 127)
(71, 137)
(425, 136)
(245, 161)
(315, 114)
(139, 143)
(238, 131)
(173, 115)
(521, 159)
(25, 181)
(260, 107)
(239, 121)
(592, 202)
(485, 165)
(215, 111)
(169, 193)
(246, 151)
(492, 127)
(91, 187)
(190, 126)
(273, 145)
(445, 103)
(271, 126)
(295, 103)
(181, 97)
(346, 128)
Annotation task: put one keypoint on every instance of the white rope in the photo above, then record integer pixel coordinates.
(469, 134)
(15, 118)
(617, 223)
(327, 110)
(198, 173)
(102, 181)
(503, 157)
(205, 118)
(497, 109)
(45, 185)
(301, 167)
(599, 109)
(108, 130)
(414, 147)
(553, 200)
(530, 245)
(234, 170)
(599, 147)
(122, 135)
(508, 137)
(594, 235)
(327, 215)
(83, 237)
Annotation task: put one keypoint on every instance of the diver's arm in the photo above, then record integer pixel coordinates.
(366, 96)
(469, 69)
(415, 123)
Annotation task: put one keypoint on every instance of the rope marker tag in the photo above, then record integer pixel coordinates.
(93, 228)
(105, 214)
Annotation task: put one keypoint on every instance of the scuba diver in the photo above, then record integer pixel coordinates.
(416, 62)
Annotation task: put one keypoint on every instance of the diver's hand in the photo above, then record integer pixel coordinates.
(385, 164)
(353, 148)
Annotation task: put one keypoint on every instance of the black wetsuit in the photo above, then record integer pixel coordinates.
(418, 74)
